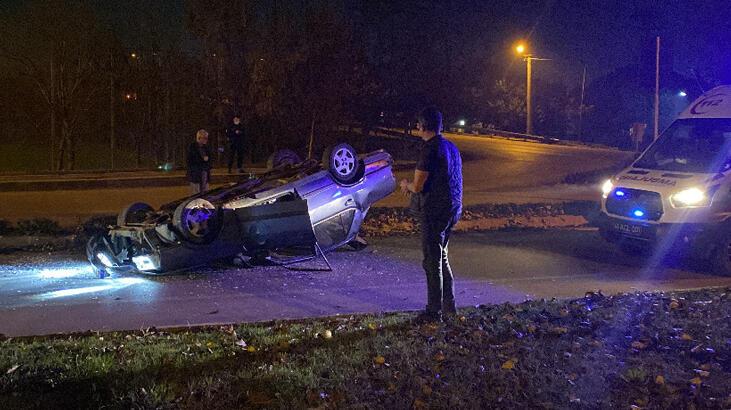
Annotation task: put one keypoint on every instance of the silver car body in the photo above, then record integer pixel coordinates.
(296, 211)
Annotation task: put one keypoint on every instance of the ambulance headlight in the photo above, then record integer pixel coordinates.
(607, 188)
(691, 197)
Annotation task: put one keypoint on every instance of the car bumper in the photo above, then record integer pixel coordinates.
(699, 238)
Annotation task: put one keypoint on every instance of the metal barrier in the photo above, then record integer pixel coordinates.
(488, 133)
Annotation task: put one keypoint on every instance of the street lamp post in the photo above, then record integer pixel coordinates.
(520, 49)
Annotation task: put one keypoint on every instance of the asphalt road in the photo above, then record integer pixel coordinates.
(495, 171)
(43, 293)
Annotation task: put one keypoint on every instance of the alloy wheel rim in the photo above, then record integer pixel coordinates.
(344, 161)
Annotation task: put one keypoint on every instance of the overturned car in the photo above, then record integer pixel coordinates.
(315, 205)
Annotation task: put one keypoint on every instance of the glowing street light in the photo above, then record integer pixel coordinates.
(682, 93)
(521, 49)
(133, 55)
(461, 123)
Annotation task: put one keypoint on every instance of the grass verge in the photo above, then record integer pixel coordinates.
(641, 350)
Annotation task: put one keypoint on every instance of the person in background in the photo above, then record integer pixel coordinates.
(436, 199)
(236, 144)
(198, 162)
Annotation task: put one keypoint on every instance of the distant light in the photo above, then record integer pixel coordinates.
(682, 93)
(619, 193)
(638, 213)
(133, 55)
(104, 259)
(461, 123)
(520, 49)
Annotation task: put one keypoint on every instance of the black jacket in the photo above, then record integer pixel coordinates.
(236, 134)
(195, 163)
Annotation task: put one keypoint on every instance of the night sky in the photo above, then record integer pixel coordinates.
(603, 34)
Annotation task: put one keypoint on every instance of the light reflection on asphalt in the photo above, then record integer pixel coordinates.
(31, 283)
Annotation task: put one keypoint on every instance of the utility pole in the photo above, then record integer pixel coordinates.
(657, 87)
(111, 110)
(528, 105)
(53, 115)
(581, 105)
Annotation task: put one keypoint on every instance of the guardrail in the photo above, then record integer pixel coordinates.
(390, 132)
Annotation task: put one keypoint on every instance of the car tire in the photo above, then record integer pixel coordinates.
(342, 162)
(283, 157)
(134, 213)
(721, 256)
(197, 220)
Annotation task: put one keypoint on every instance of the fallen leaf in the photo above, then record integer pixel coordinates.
(419, 404)
(638, 345)
(462, 319)
(251, 349)
(559, 330)
(508, 365)
(426, 390)
(659, 380)
(439, 357)
(685, 336)
(327, 334)
(674, 304)
(531, 328)
(372, 326)
(706, 366)
(696, 380)
(379, 360)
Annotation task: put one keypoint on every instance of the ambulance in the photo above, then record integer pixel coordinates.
(677, 194)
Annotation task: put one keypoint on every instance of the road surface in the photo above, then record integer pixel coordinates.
(43, 293)
(495, 171)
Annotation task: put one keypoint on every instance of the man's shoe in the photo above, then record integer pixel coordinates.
(428, 317)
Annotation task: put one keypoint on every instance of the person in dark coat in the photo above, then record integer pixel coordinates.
(198, 162)
(436, 198)
(236, 144)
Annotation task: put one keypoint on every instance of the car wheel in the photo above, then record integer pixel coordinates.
(197, 220)
(134, 213)
(283, 157)
(342, 162)
(721, 257)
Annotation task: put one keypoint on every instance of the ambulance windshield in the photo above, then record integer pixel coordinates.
(701, 145)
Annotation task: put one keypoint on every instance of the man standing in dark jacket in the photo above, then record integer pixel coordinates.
(437, 199)
(236, 144)
(198, 163)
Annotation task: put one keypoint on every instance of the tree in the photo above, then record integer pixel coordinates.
(58, 46)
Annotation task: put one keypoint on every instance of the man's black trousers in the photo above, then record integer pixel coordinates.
(236, 150)
(435, 231)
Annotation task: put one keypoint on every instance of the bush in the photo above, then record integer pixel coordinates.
(40, 226)
(6, 227)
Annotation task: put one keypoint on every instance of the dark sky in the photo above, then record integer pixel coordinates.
(603, 34)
